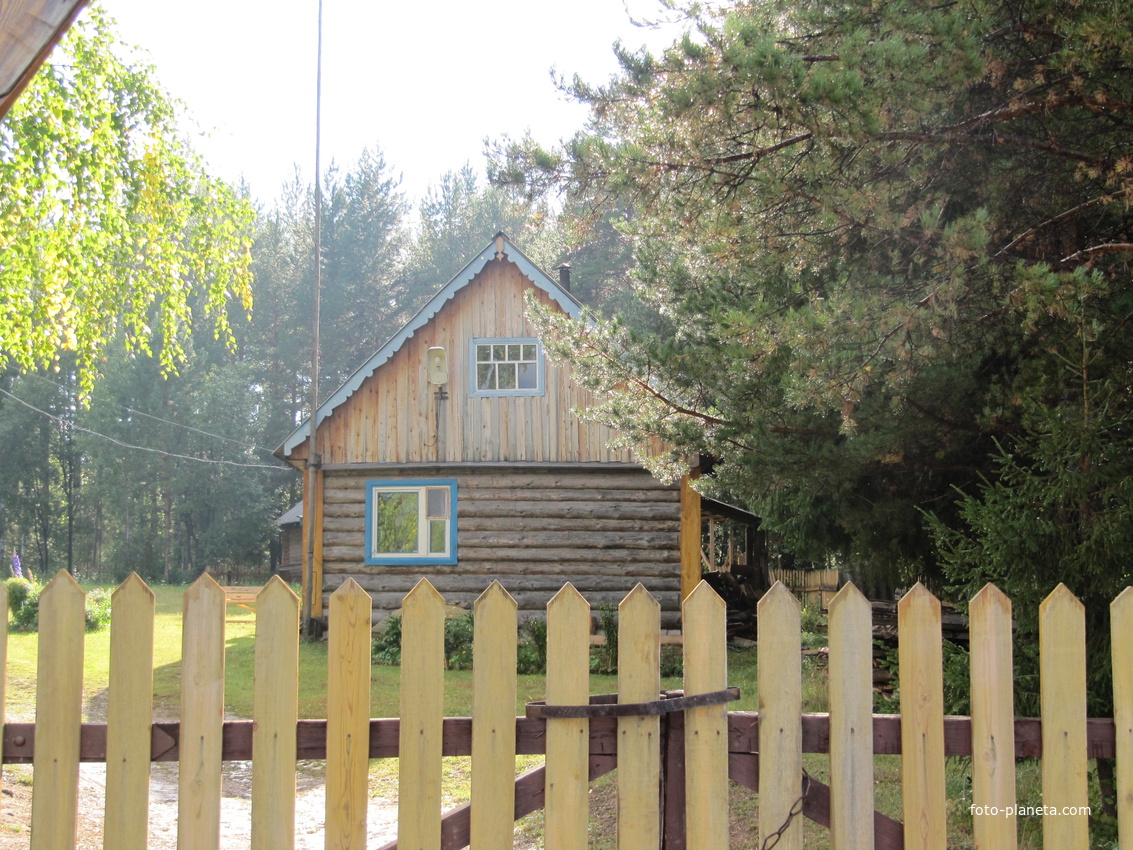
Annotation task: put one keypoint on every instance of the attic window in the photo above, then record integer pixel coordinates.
(511, 366)
(411, 521)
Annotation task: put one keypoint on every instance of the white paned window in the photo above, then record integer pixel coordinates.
(507, 367)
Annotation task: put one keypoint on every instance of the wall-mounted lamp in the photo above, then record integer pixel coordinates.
(436, 365)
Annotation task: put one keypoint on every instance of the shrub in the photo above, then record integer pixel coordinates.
(18, 592)
(23, 603)
(458, 642)
(604, 659)
(25, 618)
(672, 661)
(386, 648)
(98, 609)
(531, 654)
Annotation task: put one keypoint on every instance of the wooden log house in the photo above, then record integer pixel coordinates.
(454, 453)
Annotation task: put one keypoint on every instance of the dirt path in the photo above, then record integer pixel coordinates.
(235, 810)
(235, 807)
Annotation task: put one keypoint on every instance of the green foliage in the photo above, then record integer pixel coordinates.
(1059, 509)
(108, 222)
(812, 623)
(386, 648)
(23, 605)
(874, 238)
(672, 664)
(25, 615)
(98, 609)
(531, 653)
(604, 657)
(19, 589)
(459, 632)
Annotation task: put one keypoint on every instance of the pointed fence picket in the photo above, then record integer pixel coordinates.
(1062, 691)
(1121, 638)
(275, 711)
(202, 717)
(672, 790)
(493, 718)
(422, 719)
(704, 614)
(348, 717)
(129, 712)
(851, 720)
(639, 680)
(58, 712)
(780, 714)
(922, 719)
(993, 718)
(568, 675)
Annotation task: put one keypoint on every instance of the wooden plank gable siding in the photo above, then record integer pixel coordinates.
(392, 417)
(604, 528)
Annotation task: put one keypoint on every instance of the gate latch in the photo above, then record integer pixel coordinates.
(607, 705)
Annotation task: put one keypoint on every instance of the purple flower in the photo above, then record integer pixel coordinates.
(16, 571)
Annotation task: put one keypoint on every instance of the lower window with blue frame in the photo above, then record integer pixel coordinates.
(411, 521)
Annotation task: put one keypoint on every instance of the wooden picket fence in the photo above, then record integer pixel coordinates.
(673, 792)
(811, 587)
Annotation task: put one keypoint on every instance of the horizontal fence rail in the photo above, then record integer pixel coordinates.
(673, 790)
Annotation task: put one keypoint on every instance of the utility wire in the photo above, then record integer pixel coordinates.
(117, 442)
(159, 419)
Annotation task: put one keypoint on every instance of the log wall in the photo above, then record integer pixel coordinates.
(603, 527)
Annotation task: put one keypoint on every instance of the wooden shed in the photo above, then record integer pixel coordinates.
(455, 453)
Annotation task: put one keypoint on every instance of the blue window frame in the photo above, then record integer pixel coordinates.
(411, 521)
(508, 366)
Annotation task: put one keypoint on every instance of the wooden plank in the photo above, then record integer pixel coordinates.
(586, 489)
(493, 719)
(202, 716)
(993, 719)
(3, 662)
(644, 571)
(1121, 637)
(530, 538)
(689, 540)
(422, 718)
(538, 539)
(922, 713)
(568, 674)
(317, 571)
(780, 705)
(574, 524)
(606, 556)
(743, 737)
(129, 714)
(851, 720)
(704, 617)
(348, 718)
(639, 752)
(566, 509)
(1062, 695)
(59, 713)
(275, 711)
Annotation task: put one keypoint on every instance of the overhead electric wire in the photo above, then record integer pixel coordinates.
(159, 419)
(118, 442)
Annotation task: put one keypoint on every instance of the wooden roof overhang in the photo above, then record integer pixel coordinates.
(29, 31)
(722, 510)
(499, 248)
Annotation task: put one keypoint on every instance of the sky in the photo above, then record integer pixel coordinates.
(425, 82)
